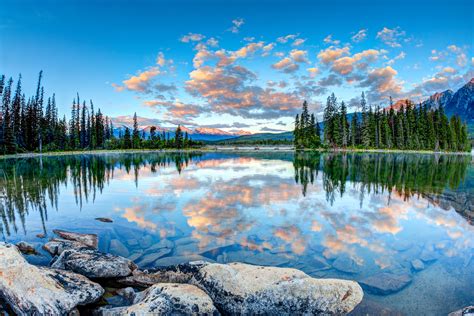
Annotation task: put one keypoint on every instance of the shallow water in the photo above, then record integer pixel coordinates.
(348, 216)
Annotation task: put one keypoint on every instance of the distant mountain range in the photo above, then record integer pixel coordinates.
(459, 103)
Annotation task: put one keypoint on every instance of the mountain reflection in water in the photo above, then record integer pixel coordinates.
(346, 215)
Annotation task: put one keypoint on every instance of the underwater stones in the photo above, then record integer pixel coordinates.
(164, 243)
(346, 264)
(175, 260)
(239, 288)
(417, 265)
(385, 283)
(94, 264)
(266, 259)
(26, 248)
(402, 245)
(32, 290)
(104, 219)
(146, 241)
(167, 299)
(90, 240)
(149, 258)
(118, 248)
(428, 255)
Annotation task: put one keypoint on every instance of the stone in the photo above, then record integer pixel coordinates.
(41, 236)
(90, 240)
(402, 245)
(94, 264)
(346, 264)
(123, 297)
(31, 290)
(167, 299)
(428, 256)
(466, 311)
(234, 256)
(385, 283)
(266, 259)
(368, 307)
(56, 246)
(104, 219)
(26, 248)
(134, 256)
(146, 241)
(239, 288)
(417, 265)
(118, 248)
(164, 243)
(132, 242)
(181, 273)
(175, 260)
(148, 259)
(185, 241)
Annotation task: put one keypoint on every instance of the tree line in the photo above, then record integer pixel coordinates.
(412, 127)
(32, 124)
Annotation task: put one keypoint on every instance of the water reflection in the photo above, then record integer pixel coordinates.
(331, 215)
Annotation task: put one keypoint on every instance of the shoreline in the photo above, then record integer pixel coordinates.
(229, 149)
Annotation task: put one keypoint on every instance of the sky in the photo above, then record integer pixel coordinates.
(236, 65)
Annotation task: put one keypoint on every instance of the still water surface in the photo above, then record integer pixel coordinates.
(350, 216)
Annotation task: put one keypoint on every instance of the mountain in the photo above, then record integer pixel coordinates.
(284, 136)
(198, 133)
(439, 98)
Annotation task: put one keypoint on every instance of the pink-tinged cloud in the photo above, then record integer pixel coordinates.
(332, 53)
(391, 37)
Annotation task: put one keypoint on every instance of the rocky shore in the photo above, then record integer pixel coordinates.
(82, 280)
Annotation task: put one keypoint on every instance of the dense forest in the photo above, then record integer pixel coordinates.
(411, 127)
(32, 124)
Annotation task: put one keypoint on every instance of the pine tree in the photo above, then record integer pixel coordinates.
(354, 134)
(136, 134)
(344, 125)
(127, 141)
(365, 135)
(178, 138)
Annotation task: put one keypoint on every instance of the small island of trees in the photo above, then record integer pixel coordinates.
(411, 127)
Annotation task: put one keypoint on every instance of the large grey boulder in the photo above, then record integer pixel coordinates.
(466, 311)
(167, 299)
(94, 264)
(31, 290)
(385, 283)
(239, 288)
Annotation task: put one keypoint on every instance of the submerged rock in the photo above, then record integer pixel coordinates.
(90, 240)
(104, 219)
(42, 291)
(417, 265)
(239, 288)
(175, 260)
(26, 248)
(118, 248)
(385, 283)
(266, 259)
(346, 264)
(149, 258)
(94, 264)
(167, 299)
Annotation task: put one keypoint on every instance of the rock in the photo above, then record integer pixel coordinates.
(123, 297)
(171, 274)
(428, 256)
(42, 291)
(168, 299)
(146, 241)
(104, 219)
(128, 294)
(369, 307)
(175, 260)
(94, 264)
(466, 311)
(90, 240)
(56, 246)
(117, 248)
(312, 264)
(239, 288)
(402, 245)
(164, 243)
(346, 264)
(417, 265)
(385, 283)
(132, 242)
(266, 259)
(134, 256)
(185, 241)
(41, 236)
(148, 259)
(234, 256)
(26, 248)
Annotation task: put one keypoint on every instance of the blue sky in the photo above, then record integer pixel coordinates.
(235, 64)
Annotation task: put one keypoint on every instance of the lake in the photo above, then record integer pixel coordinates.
(358, 216)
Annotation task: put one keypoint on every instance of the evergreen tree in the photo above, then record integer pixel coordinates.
(136, 134)
(344, 125)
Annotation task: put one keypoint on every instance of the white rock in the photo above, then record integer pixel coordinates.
(239, 288)
(41, 291)
(90, 240)
(167, 299)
